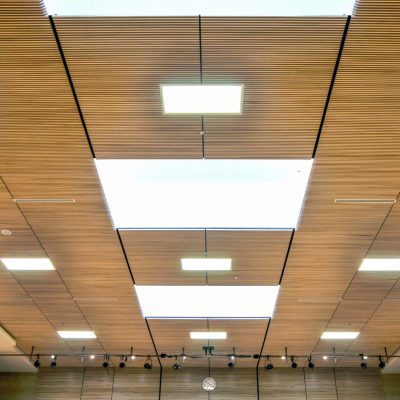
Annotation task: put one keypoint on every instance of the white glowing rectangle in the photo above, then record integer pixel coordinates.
(206, 264)
(202, 99)
(204, 193)
(28, 264)
(208, 335)
(199, 7)
(380, 264)
(340, 335)
(77, 334)
(207, 301)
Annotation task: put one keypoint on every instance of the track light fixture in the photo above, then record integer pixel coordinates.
(36, 364)
(382, 363)
(268, 365)
(106, 362)
(311, 365)
(231, 363)
(363, 364)
(53, 364)
(148, 364)
(293, 360)
(177, 364)
(132, 356)
(123, 361)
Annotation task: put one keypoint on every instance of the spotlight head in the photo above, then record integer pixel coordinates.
(36, 364)
(122, 364)
(105, 364)
(294, 365)
(53, 364)
(231, 364)
(363, 365)
(176, 366)
(256, 356)
(147, 365)
(163, 355)
(268, 367)
(382, 363)
(311, 364)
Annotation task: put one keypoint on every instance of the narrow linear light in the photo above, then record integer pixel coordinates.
(202, 99)
(340, 335)
(365, 201)
(206, 264)
(380, 264)
(77, 334)
(28, 264)
(208, 335)
(45, 200)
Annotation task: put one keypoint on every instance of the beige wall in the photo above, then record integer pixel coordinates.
(135, 383)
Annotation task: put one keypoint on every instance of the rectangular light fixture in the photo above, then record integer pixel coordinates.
(204, 193)
(340, 335)
(28, 264)
(202, 99)
(206, 264)
(207, 335)
(249, 8)
(197, 302)
(77, 334)
(380, 264)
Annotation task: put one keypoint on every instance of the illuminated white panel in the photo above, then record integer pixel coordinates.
(206, 264)
(207, 301)
(202, 99)
(204, 193)
(28, 264)
(340, 335)
(197, 7)
(207, 335)
(380, 264)
(77, 334)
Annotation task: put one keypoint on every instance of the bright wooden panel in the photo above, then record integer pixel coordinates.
(286, 65)
(118, 65)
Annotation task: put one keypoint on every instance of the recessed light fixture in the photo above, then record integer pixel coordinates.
(340, 335)
(202, 99)
(206, 264)
(380, 264)
(207, 335)
(28, 264)
(224, 8)
(198, 302)
(204, 193)
(77, 334)
(6, 232)
(325, 357)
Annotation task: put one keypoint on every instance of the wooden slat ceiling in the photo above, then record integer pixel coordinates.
(285, 64)
(257, 256)
(117, 65)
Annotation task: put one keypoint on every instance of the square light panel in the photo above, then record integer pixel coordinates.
(77, 334)
(202, 99)
(208, 335)
(204, 193)
(28, 264)
(200, 7)
(340, 335)
(198, 302)
(206, 264)
(380, 264)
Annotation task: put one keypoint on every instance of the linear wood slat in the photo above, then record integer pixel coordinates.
(286, 66)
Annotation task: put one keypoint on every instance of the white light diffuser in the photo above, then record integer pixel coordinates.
(340, 335)
(202, 99)
(204, 193)
(380, 264)
(200, 7)
(77, 334)
(207, 301)
(207, 335)
(206, 264)
(28, 264)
